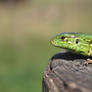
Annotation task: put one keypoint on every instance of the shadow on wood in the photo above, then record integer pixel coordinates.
(66, 72)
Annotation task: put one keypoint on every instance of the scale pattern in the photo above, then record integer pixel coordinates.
(77, 42)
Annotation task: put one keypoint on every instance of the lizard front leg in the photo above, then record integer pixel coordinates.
(88, 61)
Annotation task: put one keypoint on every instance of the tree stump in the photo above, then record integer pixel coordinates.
(66, 72)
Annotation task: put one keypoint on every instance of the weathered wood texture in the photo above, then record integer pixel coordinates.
(66, 72)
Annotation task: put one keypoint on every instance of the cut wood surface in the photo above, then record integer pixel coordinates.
(66, 72)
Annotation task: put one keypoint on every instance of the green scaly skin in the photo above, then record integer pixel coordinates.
(77, 42)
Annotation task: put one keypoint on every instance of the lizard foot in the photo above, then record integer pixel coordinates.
(89, 61)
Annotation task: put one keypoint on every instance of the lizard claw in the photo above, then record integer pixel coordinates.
(89, 61)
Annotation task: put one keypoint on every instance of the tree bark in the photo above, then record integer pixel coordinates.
(66, 72)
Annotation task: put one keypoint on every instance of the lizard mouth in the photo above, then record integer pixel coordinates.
(52, 42)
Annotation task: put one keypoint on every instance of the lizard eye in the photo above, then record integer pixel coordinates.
(77, 41)
(62, 38)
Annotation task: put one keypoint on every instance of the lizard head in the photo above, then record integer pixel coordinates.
(64, 40)
(72, 41)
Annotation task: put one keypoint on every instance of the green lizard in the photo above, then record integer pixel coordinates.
(77, 42)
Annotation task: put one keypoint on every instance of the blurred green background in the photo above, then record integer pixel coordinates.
(26, 26)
